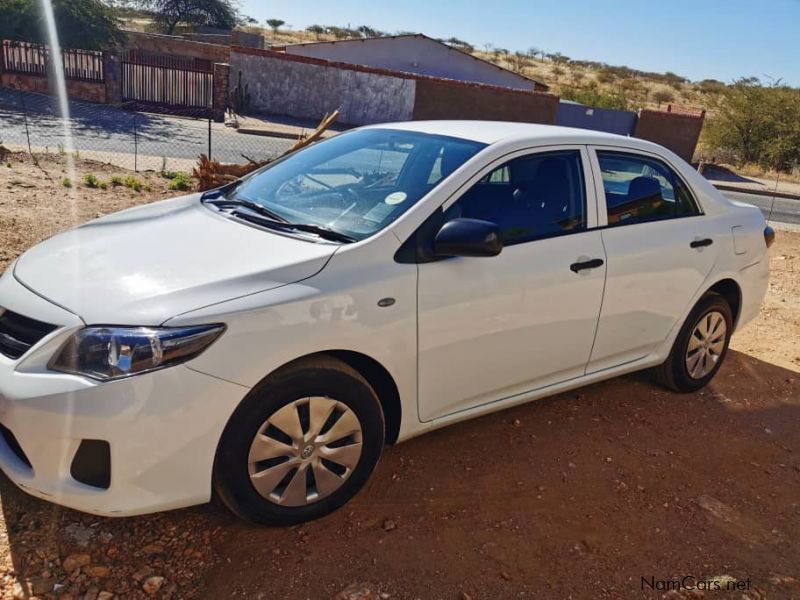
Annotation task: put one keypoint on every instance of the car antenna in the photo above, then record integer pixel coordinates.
(775, 191)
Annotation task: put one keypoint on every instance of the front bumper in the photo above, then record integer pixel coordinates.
(162, 427)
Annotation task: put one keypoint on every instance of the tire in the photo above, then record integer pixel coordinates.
(675, 373)
(246, 468)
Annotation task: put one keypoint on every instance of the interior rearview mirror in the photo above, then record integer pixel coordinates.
(468, 237)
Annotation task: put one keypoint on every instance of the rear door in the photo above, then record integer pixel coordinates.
(659, 247)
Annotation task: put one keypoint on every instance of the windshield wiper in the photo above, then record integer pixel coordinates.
(254, 206)
(323, 232)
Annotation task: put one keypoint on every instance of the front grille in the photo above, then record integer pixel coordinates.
(18, 333)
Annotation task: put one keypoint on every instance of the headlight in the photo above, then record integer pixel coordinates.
(114, 352)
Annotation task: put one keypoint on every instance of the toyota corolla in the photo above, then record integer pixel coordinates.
(264, 341)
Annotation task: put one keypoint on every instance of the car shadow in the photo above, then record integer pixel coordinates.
(587, 493)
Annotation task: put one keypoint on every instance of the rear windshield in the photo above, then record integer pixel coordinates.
(357, 182)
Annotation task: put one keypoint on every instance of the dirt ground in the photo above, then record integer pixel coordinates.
(584, 495)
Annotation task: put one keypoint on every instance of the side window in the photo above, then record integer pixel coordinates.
(530, 197)
(640, 189)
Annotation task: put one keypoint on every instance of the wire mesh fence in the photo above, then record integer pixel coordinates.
(132, 140)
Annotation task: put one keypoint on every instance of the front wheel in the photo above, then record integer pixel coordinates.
(700, 347)
(301, 444)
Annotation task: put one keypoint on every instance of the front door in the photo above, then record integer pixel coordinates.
(490, 328)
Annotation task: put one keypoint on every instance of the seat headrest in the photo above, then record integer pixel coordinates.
(551, 181)
(643, 187)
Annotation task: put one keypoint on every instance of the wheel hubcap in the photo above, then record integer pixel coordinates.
(706, 344)
(305, 451)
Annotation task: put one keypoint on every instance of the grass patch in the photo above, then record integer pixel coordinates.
(66, 182)
(180, 181)
(116, 181)
(133, 183)
(90, 180)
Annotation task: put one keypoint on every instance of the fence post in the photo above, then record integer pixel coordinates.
(209, 138)
(135, 145)
(25, 116)
(113, 78)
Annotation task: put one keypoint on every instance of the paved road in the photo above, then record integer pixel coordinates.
(783, 210)
(102, 128)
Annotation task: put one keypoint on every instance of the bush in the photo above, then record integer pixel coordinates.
(662, 96)
(605, 76)
(181, 181)
(132, 182)
(90, 181)
(103, 185)
(66, 182)
(116, 181)
(592, 97)
(710, 86)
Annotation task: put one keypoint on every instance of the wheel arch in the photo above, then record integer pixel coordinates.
(376, 375)
(732, 292)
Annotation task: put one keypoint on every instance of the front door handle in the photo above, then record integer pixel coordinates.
(701, 243)
(587, 264)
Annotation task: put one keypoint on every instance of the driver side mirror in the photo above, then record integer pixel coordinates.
(468, 237)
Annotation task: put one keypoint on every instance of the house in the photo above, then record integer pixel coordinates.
(418, 54)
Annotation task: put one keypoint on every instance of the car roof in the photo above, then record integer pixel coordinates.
(491, 132)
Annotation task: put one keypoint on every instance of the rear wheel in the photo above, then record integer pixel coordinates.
(300, 445)
(700, 348)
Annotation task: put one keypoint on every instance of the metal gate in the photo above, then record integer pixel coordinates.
(167, 89)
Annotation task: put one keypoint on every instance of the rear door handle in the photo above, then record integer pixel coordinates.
(587, 264)
(701, 243)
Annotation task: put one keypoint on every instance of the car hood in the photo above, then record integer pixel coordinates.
(147, 264)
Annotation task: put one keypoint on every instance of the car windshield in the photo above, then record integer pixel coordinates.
(358, 182)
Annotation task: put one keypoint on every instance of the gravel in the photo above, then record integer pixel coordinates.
(581, 495)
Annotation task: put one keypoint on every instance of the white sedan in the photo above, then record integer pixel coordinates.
(263, 341)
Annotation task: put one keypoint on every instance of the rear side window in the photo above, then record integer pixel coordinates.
(640, 189)
(530, 197)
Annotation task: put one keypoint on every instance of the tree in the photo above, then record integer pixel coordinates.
(662, 96)
(317, 30)
(460, 44)
(338, 32)
(558, 58)
(198, 13)
(533, 52)
(368, 32)
(757, 123)
(87, 24)
(518, 61)
(275, 24)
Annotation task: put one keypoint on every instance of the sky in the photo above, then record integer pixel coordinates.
(698, 39)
